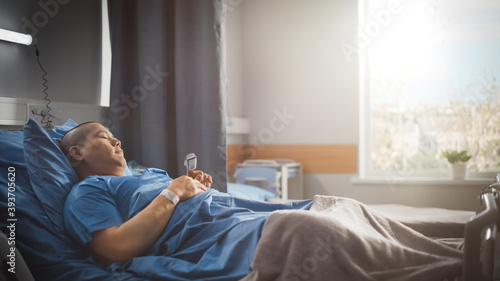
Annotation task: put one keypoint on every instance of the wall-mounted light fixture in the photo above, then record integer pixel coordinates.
(15, 37)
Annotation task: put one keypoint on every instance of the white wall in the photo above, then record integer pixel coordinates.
(291, 62)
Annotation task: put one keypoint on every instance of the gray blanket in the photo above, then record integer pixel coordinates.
(341, 239)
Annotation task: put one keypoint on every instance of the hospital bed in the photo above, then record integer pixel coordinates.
(273, 175)
(50, 255)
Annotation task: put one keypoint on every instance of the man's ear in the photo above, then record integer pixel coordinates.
(76, 153)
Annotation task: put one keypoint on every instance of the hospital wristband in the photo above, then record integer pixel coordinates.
(170, 195)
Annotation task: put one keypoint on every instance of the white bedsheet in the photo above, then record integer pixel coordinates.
(432, 222)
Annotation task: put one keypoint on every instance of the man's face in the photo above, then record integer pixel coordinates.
(102, 152)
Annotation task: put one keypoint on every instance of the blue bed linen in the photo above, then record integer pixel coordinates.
(249, 191)
(211, 236)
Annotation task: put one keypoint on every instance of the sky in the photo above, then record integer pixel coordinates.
(435, 47)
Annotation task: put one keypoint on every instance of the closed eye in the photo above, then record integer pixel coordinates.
(104, 135)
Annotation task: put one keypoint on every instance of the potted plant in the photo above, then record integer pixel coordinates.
(458, 161)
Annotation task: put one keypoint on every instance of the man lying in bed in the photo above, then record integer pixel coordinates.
(118, 218)
(135, 225)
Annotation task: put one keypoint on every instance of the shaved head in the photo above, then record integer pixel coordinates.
(75, 136)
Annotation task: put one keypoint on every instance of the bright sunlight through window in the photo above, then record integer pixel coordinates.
(431, 82)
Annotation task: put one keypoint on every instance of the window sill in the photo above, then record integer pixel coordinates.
(420, 181)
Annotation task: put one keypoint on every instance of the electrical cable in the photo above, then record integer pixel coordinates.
(46, 116)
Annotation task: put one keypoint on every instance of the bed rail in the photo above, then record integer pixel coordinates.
(480, 237)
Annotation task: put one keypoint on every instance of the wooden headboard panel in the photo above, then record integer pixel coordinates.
(328, 158)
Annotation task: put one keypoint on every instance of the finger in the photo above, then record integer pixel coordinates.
(207, 183)
(197, 174)
(196, 182)
(199, 178)
(200, 186)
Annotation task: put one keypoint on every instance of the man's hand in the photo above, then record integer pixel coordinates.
(205, 179)
(186, 187)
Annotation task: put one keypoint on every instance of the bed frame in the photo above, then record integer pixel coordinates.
(481, 252)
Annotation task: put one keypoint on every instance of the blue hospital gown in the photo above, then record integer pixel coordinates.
(211, 236)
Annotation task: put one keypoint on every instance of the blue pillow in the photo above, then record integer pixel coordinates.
(59, 131)
(51, 175)
(249, 191)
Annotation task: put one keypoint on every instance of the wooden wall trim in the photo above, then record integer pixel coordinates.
(235, 154)
(328, 158)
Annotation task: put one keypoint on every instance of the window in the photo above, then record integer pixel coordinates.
(430, 81)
